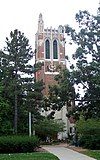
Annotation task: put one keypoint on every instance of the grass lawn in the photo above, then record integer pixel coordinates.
(95, 154)
(28, 156)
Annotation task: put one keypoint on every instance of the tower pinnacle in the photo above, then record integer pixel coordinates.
(40, 24)
(40, 17)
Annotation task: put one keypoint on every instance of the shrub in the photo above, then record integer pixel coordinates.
(49, 128)
(90, 141)
(18, 144)
(89, 133)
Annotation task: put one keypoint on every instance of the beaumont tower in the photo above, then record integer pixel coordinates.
(50, 50)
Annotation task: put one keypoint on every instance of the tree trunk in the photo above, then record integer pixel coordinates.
(15, 114)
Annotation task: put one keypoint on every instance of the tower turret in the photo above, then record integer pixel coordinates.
(61, 29)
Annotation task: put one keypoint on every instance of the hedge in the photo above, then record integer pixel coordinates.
(18, 144)
(90, 141)
(89, 133)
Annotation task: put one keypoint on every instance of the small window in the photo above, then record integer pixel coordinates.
(55, 50)
(47, 49)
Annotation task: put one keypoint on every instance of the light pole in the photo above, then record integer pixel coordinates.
(30, 124)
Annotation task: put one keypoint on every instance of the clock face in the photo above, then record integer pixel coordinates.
(52, 68)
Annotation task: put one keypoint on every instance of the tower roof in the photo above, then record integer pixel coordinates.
(40, 17)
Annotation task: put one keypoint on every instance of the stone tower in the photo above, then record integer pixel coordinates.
(50, 50)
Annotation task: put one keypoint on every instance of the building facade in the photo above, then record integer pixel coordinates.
(50, 50)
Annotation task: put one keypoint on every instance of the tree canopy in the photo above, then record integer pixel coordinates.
(87, 56)
(20, 92)
(63, 93)
(85, 72)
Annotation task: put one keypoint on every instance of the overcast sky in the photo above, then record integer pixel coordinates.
(23, 15)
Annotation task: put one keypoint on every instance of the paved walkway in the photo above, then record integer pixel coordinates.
(66, 154)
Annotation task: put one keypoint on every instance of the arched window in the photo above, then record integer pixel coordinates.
(55, 50)
(47, 49)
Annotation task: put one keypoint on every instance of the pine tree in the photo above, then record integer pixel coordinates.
(16, 70)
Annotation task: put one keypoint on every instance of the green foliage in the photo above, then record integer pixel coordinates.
(48, 128)
(90, 124)
(5, 114)
(19, 92)
(28, 156)
(14, 64)
(87, 57)
(89, 133)
(63, 92)
(34, 98)
(90, 141)
(18, 144)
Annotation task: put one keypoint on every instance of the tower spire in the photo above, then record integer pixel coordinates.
(40, 24)
(40, 17)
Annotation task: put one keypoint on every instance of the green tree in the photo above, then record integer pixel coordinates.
(29, 92)
(87, 56)
(48, 128)
(5, 114)
(64, 92)
(34, 98)
(89, 133)
(16, 70)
